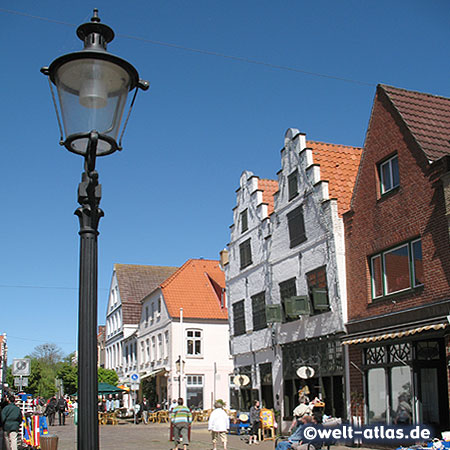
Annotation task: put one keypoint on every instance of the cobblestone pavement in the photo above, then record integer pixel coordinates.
(154, 436)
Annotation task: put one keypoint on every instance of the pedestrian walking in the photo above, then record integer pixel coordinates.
(219, 424)
(181, 418)
(145, 407)
(61, 407)
(255, 422)
(11, 416)
(50, 411)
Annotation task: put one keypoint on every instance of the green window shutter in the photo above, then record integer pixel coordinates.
(320, 299)
(273, 313)
(297, 306)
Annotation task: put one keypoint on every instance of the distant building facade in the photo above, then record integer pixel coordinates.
(286, 276)
(129, 285)
(183, 336)
(398, 262)
(3, 362)
(101, 340)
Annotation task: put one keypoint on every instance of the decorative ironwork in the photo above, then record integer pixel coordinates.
(400, 353)
(325, 356)
(375, 356)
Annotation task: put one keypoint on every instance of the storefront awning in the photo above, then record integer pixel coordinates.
(152, 373)
(394, 334)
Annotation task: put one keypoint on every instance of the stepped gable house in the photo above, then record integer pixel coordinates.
(286, 276)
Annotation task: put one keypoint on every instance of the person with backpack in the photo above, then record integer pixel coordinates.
(11, 418)
(181, 417)
(61, 407)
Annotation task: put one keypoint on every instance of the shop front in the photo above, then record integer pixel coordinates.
(326, 380)
(406, 381)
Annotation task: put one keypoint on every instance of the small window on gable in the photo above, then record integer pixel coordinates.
(296, 226)
(389, 174)
(293, 185)
(245, 251)
(239, 318)
(259, 311)
(244, 221)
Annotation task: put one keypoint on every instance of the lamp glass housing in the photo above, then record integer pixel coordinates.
(92, 96)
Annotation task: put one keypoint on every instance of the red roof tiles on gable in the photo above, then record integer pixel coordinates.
(195, 287)
(135, 282)
(268, 188)
(426, 116)
(339, 166)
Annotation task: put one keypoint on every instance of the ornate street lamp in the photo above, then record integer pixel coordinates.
(92, 88)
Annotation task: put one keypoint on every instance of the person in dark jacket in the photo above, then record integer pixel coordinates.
(61, 407)
(255, 422)
(11, 417)
(50, 411)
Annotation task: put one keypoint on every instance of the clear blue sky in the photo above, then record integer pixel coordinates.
(168, 196)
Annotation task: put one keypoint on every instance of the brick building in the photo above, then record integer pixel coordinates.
(398, 262)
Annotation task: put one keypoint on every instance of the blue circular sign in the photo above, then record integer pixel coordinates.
(135, 377)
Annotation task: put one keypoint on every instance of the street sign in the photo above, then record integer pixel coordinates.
(241, 380)
(21, 367)
(134, 378)
(305, 372)
(20, 382)
(135, 387)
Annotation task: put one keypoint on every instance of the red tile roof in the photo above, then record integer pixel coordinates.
(339, 166)
(269, 187)
(135, 282)
(426, 116)
(196, 287)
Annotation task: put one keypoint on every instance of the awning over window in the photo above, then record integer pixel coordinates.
(394, 334)
(152, 374)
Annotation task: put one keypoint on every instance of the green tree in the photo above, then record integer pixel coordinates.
(68, 374)
(107, 376)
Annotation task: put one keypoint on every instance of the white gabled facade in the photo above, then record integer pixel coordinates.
(168, 334)
(297, 249)
(129, 284)
(162, 341)
(116, 332)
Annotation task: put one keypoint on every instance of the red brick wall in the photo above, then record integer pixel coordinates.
(416, 209)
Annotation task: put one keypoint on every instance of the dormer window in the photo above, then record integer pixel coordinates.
(389, 175)
(293, 185)
(244, 221)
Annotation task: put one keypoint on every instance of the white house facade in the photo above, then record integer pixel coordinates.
(286, 276)
(129, 284)
(183, 337)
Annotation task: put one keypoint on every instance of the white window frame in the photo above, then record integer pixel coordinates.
(391, 175)
(194, 340)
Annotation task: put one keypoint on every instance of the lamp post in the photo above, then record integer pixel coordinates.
(179, 363)
(92, 88)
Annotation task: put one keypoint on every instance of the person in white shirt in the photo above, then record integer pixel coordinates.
(219, 424)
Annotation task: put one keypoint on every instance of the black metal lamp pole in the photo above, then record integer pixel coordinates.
(92, 87)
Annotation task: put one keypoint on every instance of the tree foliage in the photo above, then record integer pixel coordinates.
(107, 376)
(48, 364)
